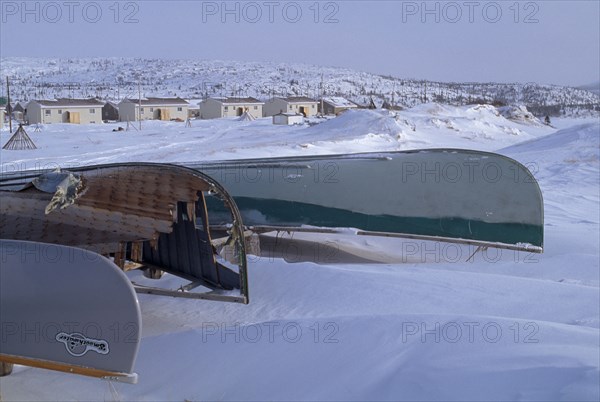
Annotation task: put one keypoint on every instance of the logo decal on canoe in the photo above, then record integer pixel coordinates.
(78, 345)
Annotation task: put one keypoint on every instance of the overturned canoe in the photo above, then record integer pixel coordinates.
(153, 215)
(67, 309)
(454, 195)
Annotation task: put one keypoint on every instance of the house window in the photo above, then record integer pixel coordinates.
(226, 108)
(151, 109)
(141, 110)
(47, 112)
(312, 107)
(179, 109)
(59, 111)
(290, 107)
(92, 111)
(255, 107)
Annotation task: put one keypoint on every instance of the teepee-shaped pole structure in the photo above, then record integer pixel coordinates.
(246, 116)
(19, 141)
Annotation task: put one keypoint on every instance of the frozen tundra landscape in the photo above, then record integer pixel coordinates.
(366, 318)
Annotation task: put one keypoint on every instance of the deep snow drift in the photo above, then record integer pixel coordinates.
(424, 325)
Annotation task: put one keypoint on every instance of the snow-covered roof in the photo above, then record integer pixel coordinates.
(289, 114)
(298, 99)
(338, 101)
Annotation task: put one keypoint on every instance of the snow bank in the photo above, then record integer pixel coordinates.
(520, 114)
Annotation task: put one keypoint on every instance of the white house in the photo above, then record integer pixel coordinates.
(76, 111)
(292, 104)
(336, 105)
(213, 108)
(288, 118)
(153, 109)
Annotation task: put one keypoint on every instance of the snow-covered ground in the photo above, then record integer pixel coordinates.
(360, 318)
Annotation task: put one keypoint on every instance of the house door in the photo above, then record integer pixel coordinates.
(165, 114)
(302, 111)
(240, 111)
(73, 117)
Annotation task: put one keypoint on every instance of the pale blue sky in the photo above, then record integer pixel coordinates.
(507, 41)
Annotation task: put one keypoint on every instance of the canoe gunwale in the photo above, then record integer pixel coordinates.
(261, 229)
(129, 378)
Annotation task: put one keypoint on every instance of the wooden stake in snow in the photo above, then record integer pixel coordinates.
(19, 141)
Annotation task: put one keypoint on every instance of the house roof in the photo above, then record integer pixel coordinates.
(238, 101)
(337, 101)
(158, 101)
(19, 106)
(65, 102)
(289, 114)
(299, 99)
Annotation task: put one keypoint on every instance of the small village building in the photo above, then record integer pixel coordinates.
(288, 119)
(217, 107)
(76, 111)
(153, 109)
(110, 111)
(291, 104)
(19, 111)
(335, 105)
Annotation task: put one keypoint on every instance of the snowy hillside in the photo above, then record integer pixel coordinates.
(116, 78)
(364, 319)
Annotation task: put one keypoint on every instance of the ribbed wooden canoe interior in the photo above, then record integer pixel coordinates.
(116, 205)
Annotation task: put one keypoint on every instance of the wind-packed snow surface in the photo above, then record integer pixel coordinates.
(362, 318)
